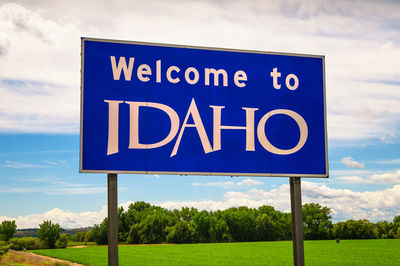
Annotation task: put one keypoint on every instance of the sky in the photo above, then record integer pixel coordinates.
(40, 44)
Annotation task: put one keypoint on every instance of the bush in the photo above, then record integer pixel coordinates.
(7, 230)
(89, 236)
(29, 243)
(133, 236)
(4, 247)
(79, 237)
(100, 232)
(49, 233)
(179, 233)
(351, 229)
(62, 241)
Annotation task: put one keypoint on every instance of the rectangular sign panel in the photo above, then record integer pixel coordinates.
(170, 109)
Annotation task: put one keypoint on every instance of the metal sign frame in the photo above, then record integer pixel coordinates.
(83, 40)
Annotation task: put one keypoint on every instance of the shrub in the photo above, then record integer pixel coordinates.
(4, 247)
(179, 233)
(7, 230)
(79, 236)
(29, 243)
(89, 236)
(49, 233)
(133, 236)
(100, 233)
(62, 241)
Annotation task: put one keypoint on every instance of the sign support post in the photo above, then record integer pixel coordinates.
(297, 221)
(112, 219)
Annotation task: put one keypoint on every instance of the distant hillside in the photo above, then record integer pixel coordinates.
(33, 231)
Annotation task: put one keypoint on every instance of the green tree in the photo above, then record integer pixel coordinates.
(137, 212)
(62, 241)
(100, 232)
(49, 233)
(133, 236)
(153, 227)
(179, 233)
(7, 230)
(221, 229)
(272, 224)
(185, 213)
(241, 223)
(207, 227)
(351, 229)
(266, 228)
(123, 226)
(385, 230)
(316, 221)
(89, 236)
(79, 236)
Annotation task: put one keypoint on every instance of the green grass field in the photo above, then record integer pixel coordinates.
(348, 252)
(74, 244)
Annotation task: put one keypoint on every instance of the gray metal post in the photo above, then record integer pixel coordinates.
(297, 221)
(112, 220)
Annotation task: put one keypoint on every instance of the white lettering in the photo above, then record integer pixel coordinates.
(275, 75)
(122, 66)
(198, 124)
(113, 125)
(134, 124)
(249, 127)
(216, 73)
(271, 148)
(187, 75)
(158, 71)
(169, 71)
(143, 70)
(239, 77)
(296, 82)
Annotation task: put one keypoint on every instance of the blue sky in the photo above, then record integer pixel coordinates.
(39, 103)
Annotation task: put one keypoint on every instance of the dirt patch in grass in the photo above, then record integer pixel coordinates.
(13, 257)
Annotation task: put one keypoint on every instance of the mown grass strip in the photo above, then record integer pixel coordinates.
(348, 252)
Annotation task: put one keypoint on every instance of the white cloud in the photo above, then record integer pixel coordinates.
(229, 184)
(351, 163)
(375, 178)
(212, 205)
(394, 161)
(250, 182)
(386, 177)
(351, 172)
(40, 92)
(345, 204)
(18, 165)
(55, 162)
(66, 219)
(351, 179)
(56, 188)
(362, 74)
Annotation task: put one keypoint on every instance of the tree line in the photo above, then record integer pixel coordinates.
(48, 237)
(149, 224)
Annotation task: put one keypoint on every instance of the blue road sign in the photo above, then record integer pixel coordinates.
(171, 109)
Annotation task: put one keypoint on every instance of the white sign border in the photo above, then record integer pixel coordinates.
(83, 39)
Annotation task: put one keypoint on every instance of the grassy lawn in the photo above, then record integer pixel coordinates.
(348, 252)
